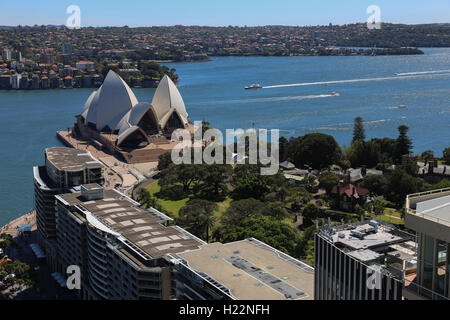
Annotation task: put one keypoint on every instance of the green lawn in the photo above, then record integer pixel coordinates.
(222, 207)
(391, 216)
(174, 206)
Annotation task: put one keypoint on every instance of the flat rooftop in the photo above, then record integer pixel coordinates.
(438, 208)
(429, 213)
(71, 159)
(251, 269)
(141, 229)
(92, 186)
(371, 242)
(371, 239)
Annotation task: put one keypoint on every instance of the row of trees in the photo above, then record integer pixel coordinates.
(380, 153)
(320, 151)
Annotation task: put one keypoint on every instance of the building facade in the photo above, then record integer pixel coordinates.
(361, 261)
(64, 169)
(119, 246)
(428, 214)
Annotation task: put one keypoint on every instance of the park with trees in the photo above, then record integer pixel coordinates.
(233, 202)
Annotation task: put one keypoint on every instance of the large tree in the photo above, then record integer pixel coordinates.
(198, 217)
(403, 144)
(328, 180)
(376, 184)
(427, 155)
(366, 153)
(271, 231)
(400, 184)
(311, 211)
(164, 160)
(358, 130)
(214, 180)
(317, 150)
(188, 175)
(242, 209)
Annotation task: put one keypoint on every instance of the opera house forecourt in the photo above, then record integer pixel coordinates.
(136, 131)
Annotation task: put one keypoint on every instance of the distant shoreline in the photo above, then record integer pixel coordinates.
(333, 52)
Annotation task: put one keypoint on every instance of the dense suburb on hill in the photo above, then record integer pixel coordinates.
(186, 43)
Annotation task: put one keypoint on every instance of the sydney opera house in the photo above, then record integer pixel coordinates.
(136, 131)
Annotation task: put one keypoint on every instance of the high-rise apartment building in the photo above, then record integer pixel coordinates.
(15, 80)
(428, 214)
(118, 246)
(64, 169)
(6, 54)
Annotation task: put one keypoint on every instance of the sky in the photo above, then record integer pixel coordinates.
(221, 13)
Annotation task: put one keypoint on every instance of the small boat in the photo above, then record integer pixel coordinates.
(253, 86)
(402, 106)
(335, 94)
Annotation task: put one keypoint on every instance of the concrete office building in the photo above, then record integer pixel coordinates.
(64, 169)
(428, 214)
(362, 261)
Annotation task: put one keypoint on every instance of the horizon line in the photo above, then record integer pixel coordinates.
(220, 26)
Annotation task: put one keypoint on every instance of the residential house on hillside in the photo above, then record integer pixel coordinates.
(347, 196)
(356, 175)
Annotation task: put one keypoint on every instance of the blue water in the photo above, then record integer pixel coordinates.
(214, 91)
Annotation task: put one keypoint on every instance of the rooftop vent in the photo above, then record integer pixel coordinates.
(373, 223)
(357, 234)
(92, 192)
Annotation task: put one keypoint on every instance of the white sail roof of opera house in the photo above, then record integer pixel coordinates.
(167, 99)
(107, 105)
(115, 105)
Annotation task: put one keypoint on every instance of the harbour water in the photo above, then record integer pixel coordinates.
(214, 91)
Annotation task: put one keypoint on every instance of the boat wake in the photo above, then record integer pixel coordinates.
(399, 76)
(272, 99)
(421, 72)
(340, 126)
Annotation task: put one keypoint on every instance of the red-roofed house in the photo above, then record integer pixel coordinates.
(348, 196)
(85, 65)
